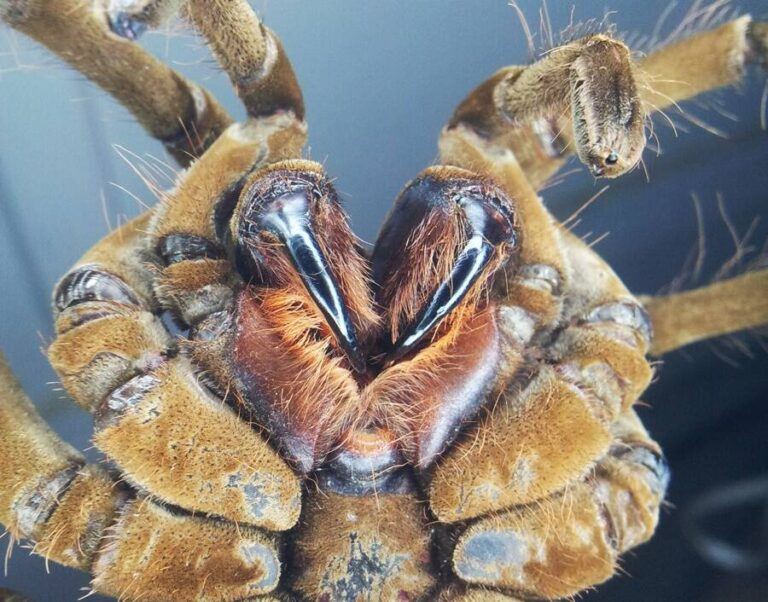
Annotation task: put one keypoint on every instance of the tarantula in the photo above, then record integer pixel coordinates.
(447, 417)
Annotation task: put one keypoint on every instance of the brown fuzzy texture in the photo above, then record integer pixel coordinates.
(95, 357)
(386, 536)
(158, 97)
(552, 432)
(309, 383)
(100, 344)
(478, 112)
(441, 387)
(335, 238)
(430, 252)
(32, 455)
(585, 347)
(302, 386)
(531, 445)
(720, 308)
(250, 54)
(526, 109)
(153, 555)
(540, 244)
(699, 63)
(557, 547)
(73, 532)
(189, 276)
(212, 461)
(188, 209)
(547, 348)
(590, 79)
(561, 545)
(193, 289)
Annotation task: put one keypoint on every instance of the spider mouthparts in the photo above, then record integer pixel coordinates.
(468, 267)
(287, 218)
(490, 229)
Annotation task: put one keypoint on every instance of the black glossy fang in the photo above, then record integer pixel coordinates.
(468, 268)
(287, 217)
(490, 223)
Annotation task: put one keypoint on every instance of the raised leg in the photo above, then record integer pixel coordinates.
(555, 529)
(702, 62)
(183, 116)
(591, 97)
(250, 54)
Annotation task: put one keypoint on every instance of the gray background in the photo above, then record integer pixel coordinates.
(380, 79)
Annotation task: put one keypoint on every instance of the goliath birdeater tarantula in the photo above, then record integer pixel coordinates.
(447, 417)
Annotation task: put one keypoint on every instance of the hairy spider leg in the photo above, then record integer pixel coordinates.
(77, 515)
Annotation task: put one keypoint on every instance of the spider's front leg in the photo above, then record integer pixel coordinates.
(591, 97)
(572, 540)
(153, 417)
(536, 448)
(77, 515)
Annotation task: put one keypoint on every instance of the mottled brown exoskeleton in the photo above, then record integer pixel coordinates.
(447, 417)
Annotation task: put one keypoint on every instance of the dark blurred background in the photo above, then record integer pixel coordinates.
(380, 79)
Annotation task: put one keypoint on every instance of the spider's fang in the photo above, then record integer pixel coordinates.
(469, 266)
(286, 216)
(291, 226)
(490, 224)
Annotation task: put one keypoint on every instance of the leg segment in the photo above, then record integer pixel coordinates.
(154, 419)
(252, 56)
(721, 308)
(78, 516)
(183, 116)
(702, 62)
(564, 544)
(591, 98)
(568, 86)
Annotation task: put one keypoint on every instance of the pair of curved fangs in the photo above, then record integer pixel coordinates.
(286, 215)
